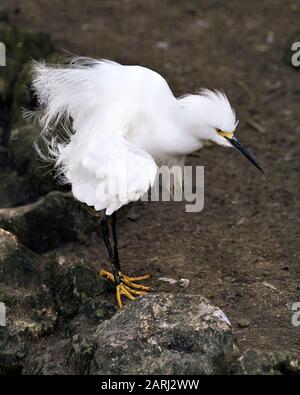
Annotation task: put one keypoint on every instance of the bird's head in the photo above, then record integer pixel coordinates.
(216, 121)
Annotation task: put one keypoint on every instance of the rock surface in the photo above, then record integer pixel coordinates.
(265, 363)
(69, 325)
(30, 311)
(42, 298)
(18, 265)
(37, 175)
(70, 307)
(165, 334)
(61, 319)
(14, 189)
(51, 221)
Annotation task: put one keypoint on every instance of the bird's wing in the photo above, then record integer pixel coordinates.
(111, 108)
(76, 90)
(122, 173)
(104, 94)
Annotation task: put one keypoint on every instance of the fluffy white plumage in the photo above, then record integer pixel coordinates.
(125, 121)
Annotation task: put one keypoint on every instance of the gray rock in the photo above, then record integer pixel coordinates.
(38, 294)
(78, 286)
(92, 312)
(50, 222)
(243, 323)
(14, 189)
(63, 356)
(48, 360)
(165, 334)
(254, 362)
(18, 265)
(30, 315)
(13, 350)
(36, 175)
(80, 352)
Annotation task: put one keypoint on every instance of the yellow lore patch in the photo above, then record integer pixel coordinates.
(229, 135)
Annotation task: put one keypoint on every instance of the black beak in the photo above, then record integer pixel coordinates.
(235, 142)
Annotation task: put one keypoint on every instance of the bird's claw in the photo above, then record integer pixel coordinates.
(122, 289)
(127, 287)
(130, 282)
(108, 275)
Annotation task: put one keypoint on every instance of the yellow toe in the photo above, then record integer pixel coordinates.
(127, 287)
(108, 275)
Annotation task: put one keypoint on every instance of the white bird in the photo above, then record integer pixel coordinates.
(122, 122)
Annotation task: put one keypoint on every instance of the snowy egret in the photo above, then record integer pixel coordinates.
(122, 118)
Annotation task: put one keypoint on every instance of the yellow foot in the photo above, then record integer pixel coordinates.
(127, 287)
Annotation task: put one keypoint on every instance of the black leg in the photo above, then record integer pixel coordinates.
(109, 234)
(125, 285)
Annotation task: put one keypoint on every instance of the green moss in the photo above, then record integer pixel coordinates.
(27, 162)
(22, 96)
(21, 48)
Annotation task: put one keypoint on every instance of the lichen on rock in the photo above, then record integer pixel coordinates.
(164, 334)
